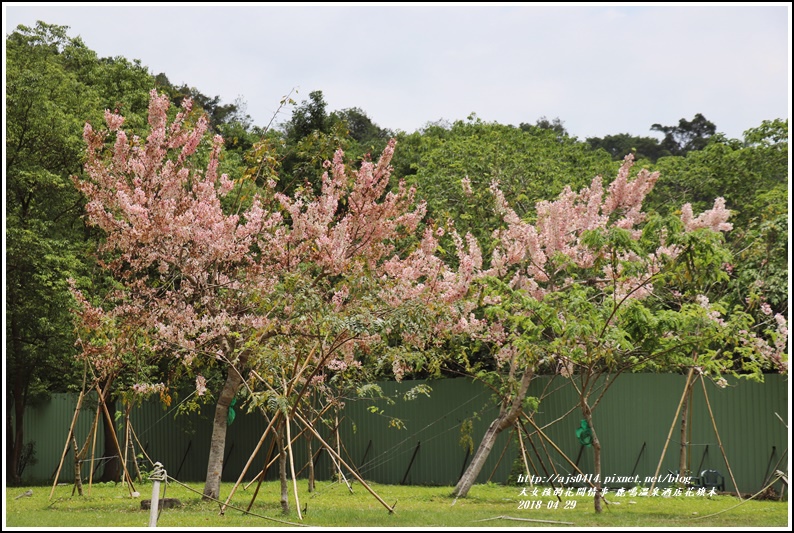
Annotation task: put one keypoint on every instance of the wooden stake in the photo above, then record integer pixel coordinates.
(523, 454)
(292, 470)
(66, 446)
(93, 449)
(672, 426)
(261, 476)
(126, 433)
(250, 460)
(115, 439)
(719, 441)
(332, 453)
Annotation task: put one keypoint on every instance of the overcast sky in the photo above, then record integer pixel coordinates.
(602, 69)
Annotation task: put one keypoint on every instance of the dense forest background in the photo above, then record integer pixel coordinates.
(55, 84)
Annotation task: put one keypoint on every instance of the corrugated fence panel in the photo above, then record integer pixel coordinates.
(632, 422)
(428, 449)
(753, 438)
(181, 443)
(634, 419)
(47, 425)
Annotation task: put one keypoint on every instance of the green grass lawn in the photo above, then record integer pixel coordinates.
(332, 505)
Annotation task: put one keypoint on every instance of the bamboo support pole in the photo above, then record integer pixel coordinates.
(529, 456)
(260, 477)
(292, 469)
(127, 408)
(131, 486)
(66, 446)
(93, 449)
(250, 460)
(543, 438)
(672, 427)
(339, 469)
(524, 454)
(332, 453)
(719, 441)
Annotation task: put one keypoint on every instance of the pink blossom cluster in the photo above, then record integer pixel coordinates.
(161, 214)
(146, 389)
(560, 226)
(714, 219)
(357, 236)
(194, 275)
(400, 368)
(773, 352)
(532, 251)
(538, 257)
(201, 385)
(340, 365)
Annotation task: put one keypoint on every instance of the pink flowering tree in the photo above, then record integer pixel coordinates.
(285, 294)
(585, 291)
(360, 293)
(184, 267)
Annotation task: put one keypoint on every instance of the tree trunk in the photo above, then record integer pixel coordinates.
(78, 470)
(311, 463)
(212, 483)
(682, 459)
(588, 415)
(15, 439)
(282, 471)
(508, 414)
(112, 470)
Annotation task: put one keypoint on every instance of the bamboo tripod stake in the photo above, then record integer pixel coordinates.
(333, 453)
(269, 427)
(66, 446)
(524, 454)
(115, 439)
(93, 450)
(672, 426)
(713, 423)
(719, 441)
(292, 469)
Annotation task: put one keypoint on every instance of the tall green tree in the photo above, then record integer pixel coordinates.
(752, 175)
(556, 125)
(622, 144)
(367, 137)
(453, 169)
(687, 135)
(54, 83)
(312, 135)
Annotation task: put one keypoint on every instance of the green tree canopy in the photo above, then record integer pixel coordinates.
(54, 84)
(687, 136)
(530, 164)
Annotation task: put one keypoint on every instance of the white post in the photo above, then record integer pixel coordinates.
(157, 475)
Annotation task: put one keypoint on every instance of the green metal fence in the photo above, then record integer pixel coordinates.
(432, 443)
